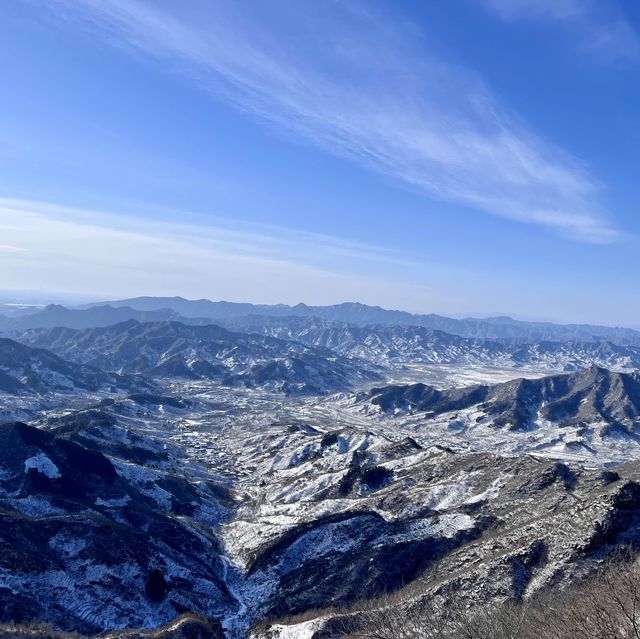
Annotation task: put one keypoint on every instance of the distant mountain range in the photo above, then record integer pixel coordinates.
(294, 353)
(362, 314)
(173, 349)
(266, 318)
(399, 345)
(55, 315)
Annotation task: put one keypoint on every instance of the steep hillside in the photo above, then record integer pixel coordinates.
(26, 370)
(92, 543)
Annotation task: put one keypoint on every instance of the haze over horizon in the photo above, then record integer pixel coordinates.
(210, 151)
(40, 300)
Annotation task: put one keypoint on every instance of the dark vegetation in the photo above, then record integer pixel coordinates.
(606, 605)
(603, 605)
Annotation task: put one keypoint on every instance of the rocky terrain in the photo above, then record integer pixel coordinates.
(591, 396)
(25, 370)
(154, 469)
(174, 349)
(272, 518)
(101, 536)
(397, 346)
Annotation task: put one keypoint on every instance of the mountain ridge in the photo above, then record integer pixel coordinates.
(399, 345)
(358, 313)
(590, 396)
(174, 349)
(24, 369)
(56, 315)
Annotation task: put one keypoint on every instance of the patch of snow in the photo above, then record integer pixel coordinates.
(113, 503)
(491, 492)
(35, 506)
(66, 544)
(304, 630)
(447, 496)
(43, 465)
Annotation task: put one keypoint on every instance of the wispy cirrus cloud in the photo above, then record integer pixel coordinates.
(110, 254)
(361, 86)
(602, 26)
(7, 248)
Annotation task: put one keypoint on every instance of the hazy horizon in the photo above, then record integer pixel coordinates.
(208, 150)
(42, 299)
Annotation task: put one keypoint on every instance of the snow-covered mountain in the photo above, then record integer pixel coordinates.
(500, 327)
(173, 349)
(398, 345)
(591, 396)
(156, 507)
(382, 344)
(95, 542)
(259, 475)
(25, 370)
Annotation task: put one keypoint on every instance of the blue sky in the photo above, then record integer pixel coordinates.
(469, 156)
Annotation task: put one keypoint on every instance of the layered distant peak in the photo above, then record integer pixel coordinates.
(499, 327)
(398, 345)
(383, 337)
(55, 315)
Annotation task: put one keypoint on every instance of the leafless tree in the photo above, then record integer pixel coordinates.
(603, 606)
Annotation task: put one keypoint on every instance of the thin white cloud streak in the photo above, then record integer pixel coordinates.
(547, 9)
(337, 75)
(233, 236)
(83, 254)
(602, 27)
(109, 255)
(6, 248)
